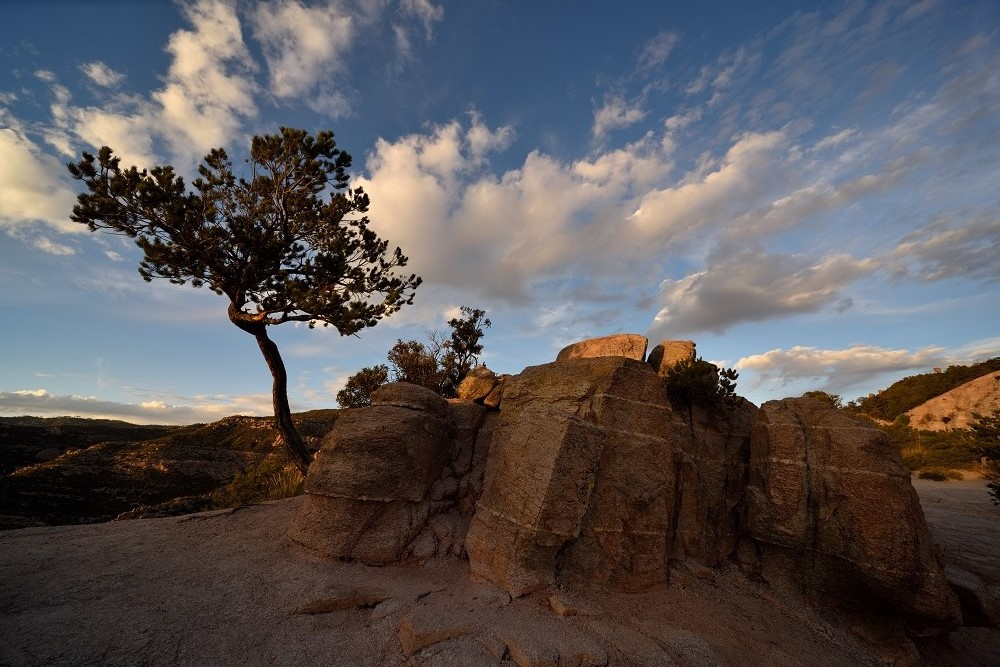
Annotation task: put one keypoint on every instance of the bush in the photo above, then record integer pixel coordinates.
(935, 475)
(273, 479)
(701, 383)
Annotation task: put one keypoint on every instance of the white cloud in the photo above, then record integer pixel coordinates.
(32, 187)
(656, 51)
(209, 86)
(838, 370)
(746, 284)
(426, 12)
(616, 113)
(101, 74)
(46, 244)
(742, 177)
(304, 49)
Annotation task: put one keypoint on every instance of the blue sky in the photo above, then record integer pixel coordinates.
(806, 189)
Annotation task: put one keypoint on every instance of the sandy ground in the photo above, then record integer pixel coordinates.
(225, 588)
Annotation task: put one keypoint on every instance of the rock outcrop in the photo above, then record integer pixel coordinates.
(832, 508)
(396, 479)
(630, 346)
(588, 476)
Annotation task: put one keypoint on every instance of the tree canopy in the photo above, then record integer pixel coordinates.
(285, 241)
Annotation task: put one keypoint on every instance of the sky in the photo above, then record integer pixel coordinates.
(808, 190)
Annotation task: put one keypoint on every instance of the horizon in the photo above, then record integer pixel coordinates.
(807, 191)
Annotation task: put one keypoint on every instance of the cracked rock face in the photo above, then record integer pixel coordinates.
(594, 479)
(834, 510)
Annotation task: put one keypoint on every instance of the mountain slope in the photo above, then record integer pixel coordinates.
(107, 479)
(955, 408)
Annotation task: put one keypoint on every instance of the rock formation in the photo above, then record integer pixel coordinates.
(393, 479)
(832, 508)
(669, 353)
(630, 346)
(587, 476)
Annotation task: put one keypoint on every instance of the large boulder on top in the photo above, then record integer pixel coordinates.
(833, 510)
(579, 484)
(368, 490)
(630, 346)
(669, 353)
(477, 384)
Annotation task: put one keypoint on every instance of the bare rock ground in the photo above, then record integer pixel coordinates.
(227, 588)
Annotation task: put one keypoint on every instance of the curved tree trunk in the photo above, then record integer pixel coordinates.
(279, 398)
(279, 388)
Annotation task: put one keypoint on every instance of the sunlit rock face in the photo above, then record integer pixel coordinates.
(631, 346)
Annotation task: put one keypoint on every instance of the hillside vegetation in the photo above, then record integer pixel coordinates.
(914, 390)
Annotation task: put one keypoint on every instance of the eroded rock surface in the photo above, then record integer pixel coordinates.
(630, 346)
(834, 510)
(396, 479)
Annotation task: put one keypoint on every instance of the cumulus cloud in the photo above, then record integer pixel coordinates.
(33, 188)
(841, 369)
(46, 244)
(746, 284)
(101, 74)
(209, 86)
(196, 409)
(304, 49)
(741, 178)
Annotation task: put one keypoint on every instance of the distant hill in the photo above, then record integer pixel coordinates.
(955, 409)
(912, 391)
(100, 469)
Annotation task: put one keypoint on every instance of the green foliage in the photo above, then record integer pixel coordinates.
(413, 362)
(910, 392)
(440, 365)
(272, 479)
(287, 241)
(986, 434)
(921, 450)
(699, 382)
(357, 393)
(464, 347)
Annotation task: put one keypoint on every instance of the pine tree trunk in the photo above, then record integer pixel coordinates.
(279, 396)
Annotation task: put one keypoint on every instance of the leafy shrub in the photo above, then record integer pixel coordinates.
(357, 393)
(273, 479)
(701, 383)
(935, 475)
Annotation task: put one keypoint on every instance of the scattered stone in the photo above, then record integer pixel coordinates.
(630, 346)
(567, 605)
(425, 626)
